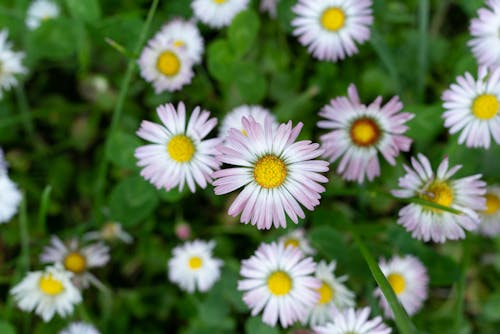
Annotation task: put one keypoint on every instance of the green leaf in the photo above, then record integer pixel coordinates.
(173, 195)
(220, 59)
(85, 10)
(491, 310)
(54, 39)
(243, 32)
(6, 328)
(254, 325)
(250, 82)
(426, 125)
(121, 149)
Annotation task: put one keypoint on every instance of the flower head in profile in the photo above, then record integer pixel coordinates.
(193, 266)
(40, 11)
(10, 64)
(297, 238)
(330, 29)
(110, 231)
(234, 118)
(430, 223)
(79, 328)
(490, 218)
(269, 6)
(485, 42)
(277, 173)
(184, 35)
(352, 321)
(359, 132)
(278, 282)
(217, 13)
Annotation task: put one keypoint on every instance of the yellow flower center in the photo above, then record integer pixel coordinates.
(181, 148)
(195, 262)
(397, 282)
(75, 262)
(50, 286)
(492, 204)
(168, 63)
(244, 132)
(439, 193)
(364, 132)
(178, 43)
(292, 242)
(110, 231)
(485, 106)
(279, 283)
(333, 19)
(219, 1)
(325, 293)
(269, 172)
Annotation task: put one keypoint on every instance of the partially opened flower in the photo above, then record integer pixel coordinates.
(10, 64)
(485, 43)
(184, 35)
(40, 11)
(47, 292)
(276, 173)
(331, 28)
(234, 118)
(490, 218)
(409, 279)
(353, 321)
(179, 154)
(10, 197)
(79, 328)
(269, 6)
(472, 108)
(430, 223)
(278, 282)
(297, 238)
(193, 266)
(359, 132)
(217, 13)
(110, 231)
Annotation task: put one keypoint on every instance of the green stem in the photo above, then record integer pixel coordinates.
(386, 57)
(423, 27)
(460, 287)
(29, 126)
(44, 203)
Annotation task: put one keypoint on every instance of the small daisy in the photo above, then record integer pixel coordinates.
(10, 197)
(192, 266)
(334, 296)
(485, 43)
(279, 281)
(297, 238)
(472, 108)
(409, 280)
(79, 328)
(490, 218)
(269, 6)
(47, 292)
(233, 119)
(353, 321)
(276, 173)
(184, 35)
(167, 66)
(360, 132)
(109, 232)
(429, 223)
(40, 11)
(217, 13)
(77, 259)
(178, 154)
(10, 64)
(330, 28)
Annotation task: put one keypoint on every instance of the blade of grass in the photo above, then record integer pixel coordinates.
(386, 57)
(460, 287)
(423, 27)
(44, 203)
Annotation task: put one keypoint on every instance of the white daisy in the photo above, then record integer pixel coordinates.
(77, 259)
(10, 63)
(472, 108)
(184, 35)
(269, 6)
(330, 28)
(193, 267)
(490, 218)
(39, 11)
(47, 292)
(179, 153)
(109, 232)
(217, 13)
(485, 43)
(79, 328)
(297, 238)
(409, 279)
(10, 197)
(278, 281)
(233, 119)
(334, 296)
(353, 321)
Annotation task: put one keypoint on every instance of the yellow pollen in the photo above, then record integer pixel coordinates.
(75, 262)
(325, 293)
(50, 286)
(279, 283)
(292, 242)
(269, 172)
(179, 44)
(195, 262)
(439, 193)
(219, 1)
(364, 132)
(485, 106)
(168, 63)
(181, 148)
(244, 132)
(333, 19)
(492, 204)
(397, 282)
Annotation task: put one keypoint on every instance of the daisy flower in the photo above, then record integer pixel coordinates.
(276, 173)
(10, 198)
(429, 223)
(485, 43)
(278, 281)
(409, 280)
(334, 296)
(331, 28)
(47, 292)
(109, 232)
(178, 154)
(490, 218)
(233, 119)
(359, 132)
(297, 238)
(40, 11)
(353, 321)
(269, 6)
(472, 108)
(183, 35)
(79, 328)
(10, 63)
(167, 66)
(217, 13)
(77, 259)
(193, 267)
